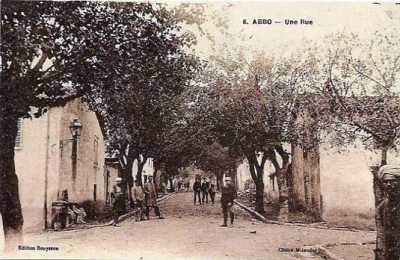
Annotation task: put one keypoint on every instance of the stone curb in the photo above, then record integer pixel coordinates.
(315, 225)
(326, 253)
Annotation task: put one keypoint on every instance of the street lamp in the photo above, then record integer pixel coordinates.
(75, 127)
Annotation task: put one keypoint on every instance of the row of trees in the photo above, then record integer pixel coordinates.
(128, 61)
(131, 64)
(255, 106)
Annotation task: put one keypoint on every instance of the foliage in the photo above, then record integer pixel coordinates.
(363, 84)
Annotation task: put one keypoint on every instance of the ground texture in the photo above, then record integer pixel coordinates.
(194, 232)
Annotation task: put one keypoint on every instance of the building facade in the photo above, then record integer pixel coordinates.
(50, 160)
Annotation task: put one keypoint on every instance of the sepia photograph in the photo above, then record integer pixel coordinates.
(200, 130)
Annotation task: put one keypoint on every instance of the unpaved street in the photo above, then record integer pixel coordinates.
(189, 232)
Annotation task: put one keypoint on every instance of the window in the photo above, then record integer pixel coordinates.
(96, 152)
(18, 139)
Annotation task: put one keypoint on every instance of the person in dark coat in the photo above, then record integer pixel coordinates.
(138, 198)
(212, 192)
(228, 194)
(196, 190)
(118, 204)
(151, 198)
(205, 186)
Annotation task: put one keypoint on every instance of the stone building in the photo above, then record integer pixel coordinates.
(49, 159)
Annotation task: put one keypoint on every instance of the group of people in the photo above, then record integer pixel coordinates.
(181, 184)
(204, 188)
(143, 198)
(228, 195)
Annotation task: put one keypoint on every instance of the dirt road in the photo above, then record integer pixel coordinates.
(189, 232)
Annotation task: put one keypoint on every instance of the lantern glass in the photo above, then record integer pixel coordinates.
(75, 127)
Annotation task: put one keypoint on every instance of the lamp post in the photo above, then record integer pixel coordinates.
(75, 127)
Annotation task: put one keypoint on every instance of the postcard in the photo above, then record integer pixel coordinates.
(200, 130)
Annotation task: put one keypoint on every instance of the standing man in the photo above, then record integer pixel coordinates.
(187, 184)
(138, 200)
(204, 190)
(151, 198)
(228, 194)
(196, 190)
(118, 203)
(212, 192)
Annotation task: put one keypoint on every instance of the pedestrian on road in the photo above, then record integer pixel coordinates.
(151, 198)
(228, 194)
(118, 204)
(196, 190)
(180, 181)
(138, 200)
(212, 192)
(187, 184)
(204, 190)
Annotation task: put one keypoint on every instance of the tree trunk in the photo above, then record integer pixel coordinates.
(380, 234)
(156, 184)
(257, 176)
(10, 205)
(259, 196)
(129, 177)
(289, 181)
(281, 181)
(219, 180)
(141, 164)
(281, 172)
(297, 199)
(312, 185)
(305, 190)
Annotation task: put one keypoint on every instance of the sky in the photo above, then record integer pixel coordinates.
(327, 17)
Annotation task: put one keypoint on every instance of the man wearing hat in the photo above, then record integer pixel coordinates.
(119, 201)
(138, 198)
(228, 194)
(151, 198)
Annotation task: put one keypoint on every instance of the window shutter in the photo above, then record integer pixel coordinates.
(18, 139)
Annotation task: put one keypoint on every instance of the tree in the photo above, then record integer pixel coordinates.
(363, 87)
(135, 101)
(52, 52)
(252, 106)
(30, 38)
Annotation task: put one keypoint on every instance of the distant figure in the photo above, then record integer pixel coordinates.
(151, 198)
(204, 190)
(175, 184)
(196, 190)
(187, 184)
(212, 192)
(138, 200)
(118, 204)
(228, 194)
(180, 181)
